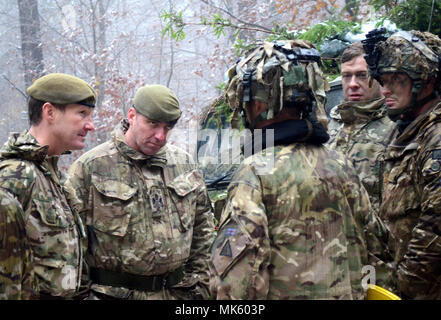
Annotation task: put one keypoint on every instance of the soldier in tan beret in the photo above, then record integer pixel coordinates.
(41, 247)
(145, 206)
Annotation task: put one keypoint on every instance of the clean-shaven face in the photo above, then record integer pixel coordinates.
(72, 125)
(355, 81)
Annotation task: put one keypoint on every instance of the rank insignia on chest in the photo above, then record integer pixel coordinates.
(156, 201)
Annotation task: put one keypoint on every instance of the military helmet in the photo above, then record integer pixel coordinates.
(278, 73)
(414, 53)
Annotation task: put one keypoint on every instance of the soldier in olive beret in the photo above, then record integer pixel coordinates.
(145, 206)
(60, 115)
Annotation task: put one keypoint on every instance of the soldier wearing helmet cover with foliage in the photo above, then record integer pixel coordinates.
(407, 65)
(146, 208)
(296, 229)
(60, 113)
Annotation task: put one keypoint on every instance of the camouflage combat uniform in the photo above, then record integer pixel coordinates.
(362, 131)
(296, 233)
(16, 274)
(48, 226)
(145, 215)
(412, 205)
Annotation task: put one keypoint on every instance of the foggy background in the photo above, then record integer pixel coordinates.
(117, 46)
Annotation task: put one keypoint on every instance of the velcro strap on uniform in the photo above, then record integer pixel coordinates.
(134, 281)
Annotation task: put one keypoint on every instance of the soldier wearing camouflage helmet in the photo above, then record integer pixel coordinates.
(407, 64)
(60, 113)
(146, 208)
(297, 230)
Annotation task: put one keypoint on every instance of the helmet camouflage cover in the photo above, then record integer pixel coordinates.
(277, 73)
(415, 53)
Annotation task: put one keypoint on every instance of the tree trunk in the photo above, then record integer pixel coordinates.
(31, 46)
(101, 45)
(98, 25)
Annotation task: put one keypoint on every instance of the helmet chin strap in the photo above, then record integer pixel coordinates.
(407, 113)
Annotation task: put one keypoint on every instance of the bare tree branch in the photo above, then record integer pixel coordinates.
(265, 30)
(172, 53)
(252, 25)
(15, 87)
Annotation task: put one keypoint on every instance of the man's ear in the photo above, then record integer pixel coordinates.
(48, 112)
(131, 115)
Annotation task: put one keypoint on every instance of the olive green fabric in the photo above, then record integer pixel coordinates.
(61, 88)
(157, 103)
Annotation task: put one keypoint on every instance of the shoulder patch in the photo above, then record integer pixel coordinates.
(229, 232)
(226, 249)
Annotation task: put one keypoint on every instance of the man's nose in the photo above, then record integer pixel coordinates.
(160, 134)
(354, 81)
(385, 91)
(89, 125)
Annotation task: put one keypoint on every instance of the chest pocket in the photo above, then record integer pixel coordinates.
(112, 206)
(182, 190)
(401, 196)
(53, 214)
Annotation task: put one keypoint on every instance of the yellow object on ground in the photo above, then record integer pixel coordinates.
(378, 293)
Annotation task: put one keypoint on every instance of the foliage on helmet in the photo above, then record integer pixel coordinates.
(279, 73)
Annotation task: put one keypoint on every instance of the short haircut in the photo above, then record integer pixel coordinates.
(352, 51)
(35, 108)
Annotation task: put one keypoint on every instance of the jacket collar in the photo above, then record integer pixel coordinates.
(359, 111)
(407, 140)
(118, 136)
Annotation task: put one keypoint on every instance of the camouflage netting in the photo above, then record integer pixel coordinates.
(277, 73)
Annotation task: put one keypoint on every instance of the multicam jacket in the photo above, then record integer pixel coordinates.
(295, 232)
(412, 205)
(362, 131)
(48, 225)
(16, 274)
(146, 215)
